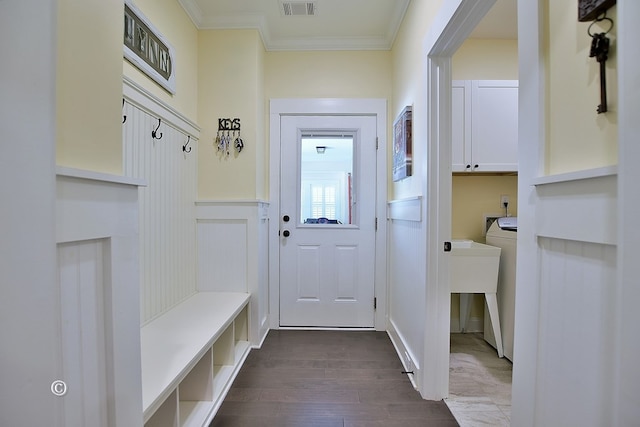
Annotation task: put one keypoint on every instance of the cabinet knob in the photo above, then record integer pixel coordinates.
(475, 166)
(468, 167)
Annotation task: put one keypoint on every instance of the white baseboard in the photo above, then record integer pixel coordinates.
(404, 353)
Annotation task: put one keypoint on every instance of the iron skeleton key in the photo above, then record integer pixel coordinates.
(600, 49)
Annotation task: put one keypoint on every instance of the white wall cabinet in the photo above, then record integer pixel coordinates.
(484, 126)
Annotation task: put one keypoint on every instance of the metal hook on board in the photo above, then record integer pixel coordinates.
(154, 133)
(124, 116)
(184, 147)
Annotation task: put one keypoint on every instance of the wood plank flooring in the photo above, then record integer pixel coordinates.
(327, 379)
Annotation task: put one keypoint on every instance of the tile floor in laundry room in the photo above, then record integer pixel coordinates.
(479, 383)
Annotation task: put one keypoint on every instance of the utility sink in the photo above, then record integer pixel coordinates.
(473, 267)
(474, 270)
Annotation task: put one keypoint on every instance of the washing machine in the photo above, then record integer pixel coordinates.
(503, 233)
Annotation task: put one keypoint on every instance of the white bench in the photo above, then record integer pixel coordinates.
(190, 356)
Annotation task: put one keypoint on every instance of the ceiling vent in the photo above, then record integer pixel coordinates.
(298, 8)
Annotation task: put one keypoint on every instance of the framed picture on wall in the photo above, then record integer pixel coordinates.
(402, 145)
(147, 49)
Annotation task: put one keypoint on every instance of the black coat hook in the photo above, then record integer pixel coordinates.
(184, 147)
(154, 133)
(124, 116)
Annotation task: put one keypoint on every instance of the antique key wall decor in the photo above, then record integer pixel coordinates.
(600, 50)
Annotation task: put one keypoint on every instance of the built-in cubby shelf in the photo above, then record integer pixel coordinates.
(190, 356)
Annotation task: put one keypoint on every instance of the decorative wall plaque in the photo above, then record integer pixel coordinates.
(145, 48)
(589, 10)
(402, 145)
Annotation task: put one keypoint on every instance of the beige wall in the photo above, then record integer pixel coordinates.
(230, 85)
(409, 88)
(577, 137)
(89, 77)
(176, 27)
(479, 195)
(484, 59)
(89, 85)
(328, 74)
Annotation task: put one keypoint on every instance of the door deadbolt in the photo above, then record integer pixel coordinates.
(285, 218)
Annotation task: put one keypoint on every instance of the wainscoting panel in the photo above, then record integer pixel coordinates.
(167, 210)
(232, 254)
(222, 255)
(407, 267)
(577, 296)
(84, 335)
(98, 280)
(577, 285)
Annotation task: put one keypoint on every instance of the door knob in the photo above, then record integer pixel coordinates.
(286, 233)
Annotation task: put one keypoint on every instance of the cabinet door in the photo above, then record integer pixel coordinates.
(461, 125)
(494, 125)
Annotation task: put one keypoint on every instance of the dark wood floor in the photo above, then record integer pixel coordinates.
(327, 378)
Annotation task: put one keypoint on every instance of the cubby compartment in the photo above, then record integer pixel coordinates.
(167, 413)
(223, 360)
(241, 333)
(195, 392)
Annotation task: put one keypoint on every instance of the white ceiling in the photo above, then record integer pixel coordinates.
(336, 25)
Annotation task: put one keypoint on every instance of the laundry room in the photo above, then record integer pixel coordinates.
(484, 189)
(484, 148)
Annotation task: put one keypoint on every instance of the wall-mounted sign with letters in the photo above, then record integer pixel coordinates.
(145, 48)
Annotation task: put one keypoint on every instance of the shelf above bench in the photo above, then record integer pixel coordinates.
(205, 335)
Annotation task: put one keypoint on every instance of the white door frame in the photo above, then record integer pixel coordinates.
(451, 27)
(328, 106)
(627, 380)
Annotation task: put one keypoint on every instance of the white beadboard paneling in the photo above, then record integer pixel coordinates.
(406, 298)
(167, 212)
(577, 291)
(84, 332)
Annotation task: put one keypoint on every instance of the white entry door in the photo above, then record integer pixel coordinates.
(327, 221)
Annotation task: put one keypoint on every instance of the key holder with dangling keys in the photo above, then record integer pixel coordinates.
(600, 44)
(228, 134)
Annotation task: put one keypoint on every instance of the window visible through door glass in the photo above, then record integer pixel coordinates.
(326, 179)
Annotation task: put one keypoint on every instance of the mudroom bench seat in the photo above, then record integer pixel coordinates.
(190, 355)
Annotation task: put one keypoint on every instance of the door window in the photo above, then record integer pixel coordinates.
(326, 179)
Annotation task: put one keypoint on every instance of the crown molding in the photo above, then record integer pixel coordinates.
(259, 23)
(193, 11)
